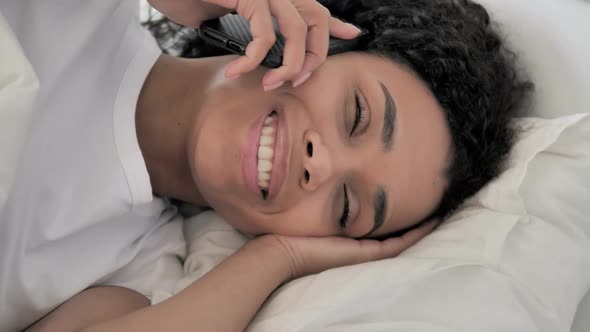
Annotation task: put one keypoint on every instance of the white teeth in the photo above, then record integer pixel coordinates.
(265, 152)
(268, 131)
(266, 140)
(263, 176)
(264, 165)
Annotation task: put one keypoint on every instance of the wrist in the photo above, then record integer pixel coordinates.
(270, 252)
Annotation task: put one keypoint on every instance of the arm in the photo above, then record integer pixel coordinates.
(225, 299)
(228, 297)
(91, 306)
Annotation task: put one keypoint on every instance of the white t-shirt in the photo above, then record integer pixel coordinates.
(18, 92)
(81, 211)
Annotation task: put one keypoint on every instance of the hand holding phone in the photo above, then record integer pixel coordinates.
(305, 25)
(232, 33)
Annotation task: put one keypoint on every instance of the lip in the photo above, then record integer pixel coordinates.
(281, 153)
(249, 162)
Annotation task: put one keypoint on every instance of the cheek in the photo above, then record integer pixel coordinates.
(307, 218)
(218, 135)
(211, 158)
(322, 103)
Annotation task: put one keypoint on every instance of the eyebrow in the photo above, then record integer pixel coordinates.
(389, 123)
(380, 207)
(389, 117)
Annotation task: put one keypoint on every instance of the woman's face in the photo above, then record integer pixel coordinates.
(359, 150)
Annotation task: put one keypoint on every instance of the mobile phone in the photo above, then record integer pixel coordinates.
(232, 33)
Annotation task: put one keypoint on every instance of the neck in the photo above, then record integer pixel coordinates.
(168, 104)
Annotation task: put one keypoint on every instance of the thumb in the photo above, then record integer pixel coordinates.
(343, 30)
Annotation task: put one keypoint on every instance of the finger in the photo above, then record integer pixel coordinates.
(230, 4)
(342, 30)
(318, 38)
(263, 38)
(294, 30)
(395, 246)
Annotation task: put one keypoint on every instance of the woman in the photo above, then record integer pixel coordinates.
(370, 143)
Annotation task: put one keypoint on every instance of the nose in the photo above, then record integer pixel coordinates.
(317, 163)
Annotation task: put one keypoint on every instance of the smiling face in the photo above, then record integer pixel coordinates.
(360, 149)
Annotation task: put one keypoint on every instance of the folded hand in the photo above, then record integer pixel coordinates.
(308, 255)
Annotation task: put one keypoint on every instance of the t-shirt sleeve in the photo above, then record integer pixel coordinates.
(158, 265)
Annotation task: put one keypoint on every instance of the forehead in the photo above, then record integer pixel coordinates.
(413, 171)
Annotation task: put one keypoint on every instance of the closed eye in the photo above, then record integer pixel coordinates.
(345, 218)
(360, 118)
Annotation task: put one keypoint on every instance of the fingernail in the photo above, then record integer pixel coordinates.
(273, 86)
(354, 27)
(302, 78)
(233, 77)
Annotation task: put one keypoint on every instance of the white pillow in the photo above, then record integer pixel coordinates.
(516, 258)
(18, 90)
(551, 38)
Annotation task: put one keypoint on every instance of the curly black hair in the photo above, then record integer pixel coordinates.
(455, 49)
